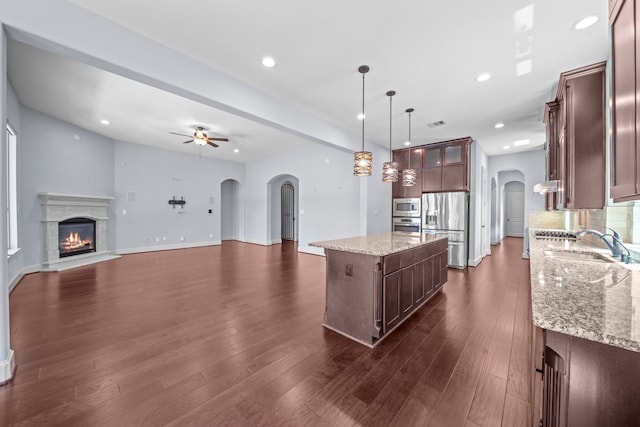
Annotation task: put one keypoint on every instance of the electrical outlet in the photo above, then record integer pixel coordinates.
(349, 271)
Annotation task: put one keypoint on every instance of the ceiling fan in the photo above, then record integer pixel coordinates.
(200, 138)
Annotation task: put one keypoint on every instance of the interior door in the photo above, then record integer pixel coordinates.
(515, 213)
(287, 229)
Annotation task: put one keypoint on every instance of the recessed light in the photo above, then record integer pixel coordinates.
(506, 147)
(498, 125)
(361, 116)
(483, 77)
(585, 23)
(235, 150)
(268, 62)
(407, 143)
(521, 142)
(104, 121)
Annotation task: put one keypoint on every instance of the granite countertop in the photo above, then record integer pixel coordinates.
(380, 244)
(588, 298)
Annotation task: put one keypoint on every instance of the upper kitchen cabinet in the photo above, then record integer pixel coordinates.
(625, 155)
(402, 157)
(447, 166)
(551, 147)
(578, 133)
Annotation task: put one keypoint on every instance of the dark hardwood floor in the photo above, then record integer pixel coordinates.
(232, 335)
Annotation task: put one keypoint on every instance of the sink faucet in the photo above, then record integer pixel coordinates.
(616, 240)
(615, 252)
(619, 245)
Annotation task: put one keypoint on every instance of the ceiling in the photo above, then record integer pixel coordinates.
(428, 52)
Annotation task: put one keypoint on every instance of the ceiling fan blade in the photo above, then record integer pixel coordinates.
(181, 134)
(186, 142)
(212, 144)
(218, 139)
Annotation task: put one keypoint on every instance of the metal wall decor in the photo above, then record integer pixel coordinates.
(175, 202)
(362, 159)
(409, 175)
(390, 168)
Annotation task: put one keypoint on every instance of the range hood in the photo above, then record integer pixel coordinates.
(546, 187)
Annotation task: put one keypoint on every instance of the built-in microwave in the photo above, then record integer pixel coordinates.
(406, 207)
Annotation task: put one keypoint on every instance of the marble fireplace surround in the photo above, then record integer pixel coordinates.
(60, 207)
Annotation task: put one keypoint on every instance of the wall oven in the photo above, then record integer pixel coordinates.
(413, 225)
(406, 207)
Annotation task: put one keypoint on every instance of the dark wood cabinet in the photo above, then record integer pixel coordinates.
(443, 166)
(625, 58)
(447, 166)
(576, 141)
(410, 278)
(391, 285)
(369, 295)
(402, 157)
(551, 147)
(586, 383)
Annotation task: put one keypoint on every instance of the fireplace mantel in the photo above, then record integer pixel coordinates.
(60, 207)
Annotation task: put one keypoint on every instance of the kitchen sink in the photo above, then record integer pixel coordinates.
(578, 256)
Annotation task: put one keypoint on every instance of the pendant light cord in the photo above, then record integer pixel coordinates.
(410, 138)
(363, 116)
(390, 124)
(409, 110)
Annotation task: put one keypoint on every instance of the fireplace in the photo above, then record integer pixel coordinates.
(76, 236)
(74, 225)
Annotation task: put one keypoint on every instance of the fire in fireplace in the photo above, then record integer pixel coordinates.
(76, 236)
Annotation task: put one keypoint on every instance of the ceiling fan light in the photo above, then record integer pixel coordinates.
(409, 177)
(390, 172)
(362, 163)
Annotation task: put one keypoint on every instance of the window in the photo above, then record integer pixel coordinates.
(11, 191)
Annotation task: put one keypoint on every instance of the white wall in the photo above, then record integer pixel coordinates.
(531, 165)
(329, 195)
(378, 202)
(57, 157)
(479, 159)
(155, 176)
(16, 263)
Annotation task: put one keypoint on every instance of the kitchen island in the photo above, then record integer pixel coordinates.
(587, 305)
(375, 282)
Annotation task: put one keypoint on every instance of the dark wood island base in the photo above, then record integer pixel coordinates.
(370, 294)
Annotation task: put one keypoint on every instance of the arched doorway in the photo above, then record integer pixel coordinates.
(287, 211)
(282, 198)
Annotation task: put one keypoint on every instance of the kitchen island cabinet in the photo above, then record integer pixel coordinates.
(375, 282)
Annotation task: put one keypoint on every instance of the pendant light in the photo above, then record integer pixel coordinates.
(390, 168)
(362, 159)
(409, 175)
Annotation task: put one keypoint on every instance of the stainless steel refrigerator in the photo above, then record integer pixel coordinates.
(448, 213)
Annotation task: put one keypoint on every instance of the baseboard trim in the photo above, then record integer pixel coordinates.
(311, 251)
(486, 253)
(7, 368)
(167, 247)
(475, 262)
(26, 270)
(276, 242)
